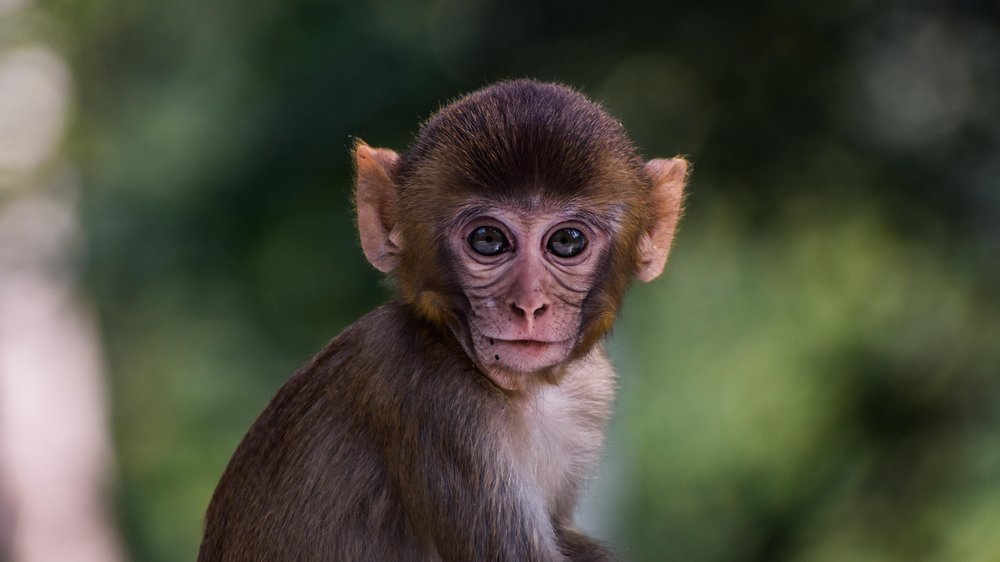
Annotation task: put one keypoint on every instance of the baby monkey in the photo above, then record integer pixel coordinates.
(458, 421)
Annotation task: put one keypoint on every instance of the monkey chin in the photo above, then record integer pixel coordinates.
(515, 365)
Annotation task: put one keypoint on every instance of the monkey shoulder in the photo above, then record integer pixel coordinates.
(321, 461)
(386, 365)
(394, 346)
(390, 366)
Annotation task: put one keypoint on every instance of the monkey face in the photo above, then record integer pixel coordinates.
(516, 220)
(525, 277)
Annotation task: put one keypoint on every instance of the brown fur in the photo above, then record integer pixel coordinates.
(396, 442)
(362, 457)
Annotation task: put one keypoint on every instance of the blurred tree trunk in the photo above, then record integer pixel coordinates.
(54, 441)
(54, 448)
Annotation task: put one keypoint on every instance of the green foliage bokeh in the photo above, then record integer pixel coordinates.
(815, 378)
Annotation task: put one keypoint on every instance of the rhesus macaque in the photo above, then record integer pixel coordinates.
(458, 421)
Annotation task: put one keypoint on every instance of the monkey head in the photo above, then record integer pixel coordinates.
(516, 220)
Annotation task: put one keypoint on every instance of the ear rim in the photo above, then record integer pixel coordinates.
(375, 204)
(669, 177)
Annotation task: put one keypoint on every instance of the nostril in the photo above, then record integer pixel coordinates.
(523, 311)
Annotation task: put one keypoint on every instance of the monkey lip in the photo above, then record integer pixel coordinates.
(528, 354)
(530, 344)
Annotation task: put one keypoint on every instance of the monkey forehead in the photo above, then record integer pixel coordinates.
(521, 136)
(607, 218)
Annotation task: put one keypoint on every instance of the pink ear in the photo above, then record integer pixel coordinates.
(669, 176)
(376, 200)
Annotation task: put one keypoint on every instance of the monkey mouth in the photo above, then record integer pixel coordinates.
(527, 350)
(525, 355)
(527, 346)
(513, 363)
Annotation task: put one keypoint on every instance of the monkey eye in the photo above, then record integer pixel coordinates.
(488, 241)
(566, 242)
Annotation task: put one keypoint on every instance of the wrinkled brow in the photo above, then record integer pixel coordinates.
(609, 222)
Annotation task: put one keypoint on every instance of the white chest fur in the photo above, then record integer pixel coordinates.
(563, 432)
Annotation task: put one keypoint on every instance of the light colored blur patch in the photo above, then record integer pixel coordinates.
(34, 104)
(55, 448)
(10, 5)
(38, 232)
(915, 82)
(54, 445)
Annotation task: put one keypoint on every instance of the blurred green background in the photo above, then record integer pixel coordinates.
(815, 378)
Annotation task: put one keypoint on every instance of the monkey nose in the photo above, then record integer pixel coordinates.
(529, 308)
